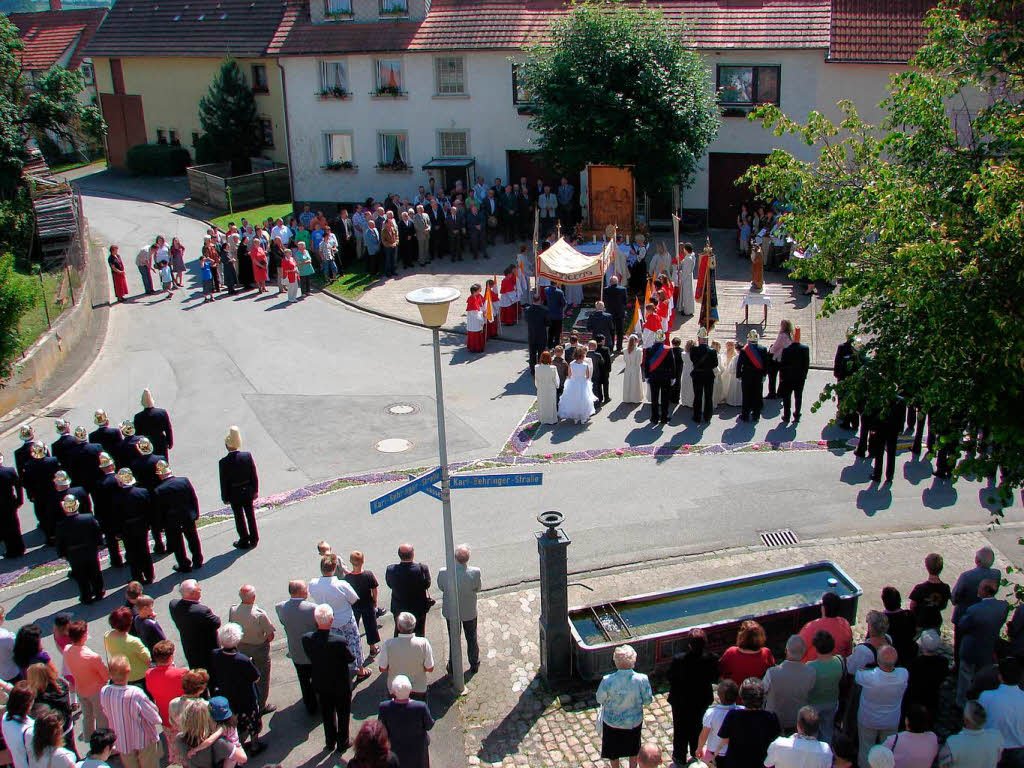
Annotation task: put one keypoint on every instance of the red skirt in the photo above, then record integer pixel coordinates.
(510, 314)
(475, 341)
(492, 328)
(120, 284)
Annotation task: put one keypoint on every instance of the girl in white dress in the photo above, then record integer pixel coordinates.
(633, 377)
(729, 370)
(686, 380)
(578, 398)
(545, 376)
(718, 394)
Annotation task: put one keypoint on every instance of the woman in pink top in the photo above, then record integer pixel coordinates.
(916, 747)
(783, 340)
(91, 675)
(832, 623)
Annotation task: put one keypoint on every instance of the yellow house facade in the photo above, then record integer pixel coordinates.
(154, 62)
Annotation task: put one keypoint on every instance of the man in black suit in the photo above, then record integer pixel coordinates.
(886, 433)
(409, 582)
(751, 369)
(79, 539)
(615, 303)
(60, 488)
(705, 360)
(455, 222)
(155, 424)
(793, 368)
(40, 469)
(537, 330)
(847, 361)
(85, 460)
(597, 373)
(329, 658)
(178, 506)
(661, 371)
(677, 355)
(108, 514)
(239, 487)
(599, 322)
(144, 470)
(64, 444)
(197, 624)
(438, 239)
(136, 511)
(11, 498)
(106, 436)
(556, 311)
(606, 365)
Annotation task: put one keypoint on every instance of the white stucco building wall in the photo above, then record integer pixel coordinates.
(494, 126)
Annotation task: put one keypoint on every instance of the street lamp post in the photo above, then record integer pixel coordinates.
(433, 304)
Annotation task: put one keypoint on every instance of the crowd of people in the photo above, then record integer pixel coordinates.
(834, 702)
(379, 236)
(134, 700)
(115, 487)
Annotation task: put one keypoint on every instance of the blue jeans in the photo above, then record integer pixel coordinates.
(330, 268)
(390, 261)
(147, 278)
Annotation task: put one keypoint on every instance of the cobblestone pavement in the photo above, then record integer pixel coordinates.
(788, 299)
(512, 718)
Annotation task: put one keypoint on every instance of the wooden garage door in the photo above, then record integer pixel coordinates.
(724, 196)
(126, 125)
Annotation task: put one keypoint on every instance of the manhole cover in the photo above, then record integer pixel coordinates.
(393, 445)
(56, 413)
(401, 409)
(780, 538)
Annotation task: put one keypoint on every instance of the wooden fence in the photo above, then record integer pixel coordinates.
(211, 186)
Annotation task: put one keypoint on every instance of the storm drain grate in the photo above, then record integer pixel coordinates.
(780, 538)
(57, 413)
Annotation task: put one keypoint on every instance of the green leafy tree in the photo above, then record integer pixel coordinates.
(230, 119)
(616, 84)
(27, 108)
(16, 298)
(922, 222)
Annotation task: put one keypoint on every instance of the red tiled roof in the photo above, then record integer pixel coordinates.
(504, 24)
(199, 28)
(877, 30)
(47, 35)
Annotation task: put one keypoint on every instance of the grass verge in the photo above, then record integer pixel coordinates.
(350, 285)
(33, 323)
(255, 215)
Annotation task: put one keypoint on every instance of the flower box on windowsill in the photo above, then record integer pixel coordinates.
(394, 168)
(389, 92)
(339, 16)
(526, 109)
(333, 93)
(344, 167)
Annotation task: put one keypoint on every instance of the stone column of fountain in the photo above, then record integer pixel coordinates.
(555, 640)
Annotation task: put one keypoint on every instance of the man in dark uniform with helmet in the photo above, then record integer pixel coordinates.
(178, 506)
(85, 460)
(79, 540)
(136, 511)
(108, 514)
(239, 487)
(144, 470)
(64, 444)
(127, 452)
(154, 423)
(39, 477)
(11, 498)
(105, 435)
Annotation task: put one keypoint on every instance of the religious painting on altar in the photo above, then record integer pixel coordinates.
(612, 197)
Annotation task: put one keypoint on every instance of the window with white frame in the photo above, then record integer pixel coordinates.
(338, 148)
(394, 149)
(333, 78)
(449, 75)
(389, 75)
(453, 143)
(394, 7)
(338, 7)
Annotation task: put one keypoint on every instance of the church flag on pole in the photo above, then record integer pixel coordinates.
(636, 324)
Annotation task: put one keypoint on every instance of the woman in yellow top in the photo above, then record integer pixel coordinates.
(119, 643)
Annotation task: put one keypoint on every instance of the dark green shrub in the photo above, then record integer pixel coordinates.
(157, 160)
(16, 297)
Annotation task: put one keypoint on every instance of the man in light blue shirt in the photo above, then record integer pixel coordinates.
(371, 239)
(359, 227)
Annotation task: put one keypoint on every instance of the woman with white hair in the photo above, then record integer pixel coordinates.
(408, 722)
(926, 673)
(234, 676)
(623, 695)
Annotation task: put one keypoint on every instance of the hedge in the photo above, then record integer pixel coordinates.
(157, 160)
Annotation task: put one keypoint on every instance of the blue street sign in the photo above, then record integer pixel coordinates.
(421, 483)
(497, 481)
